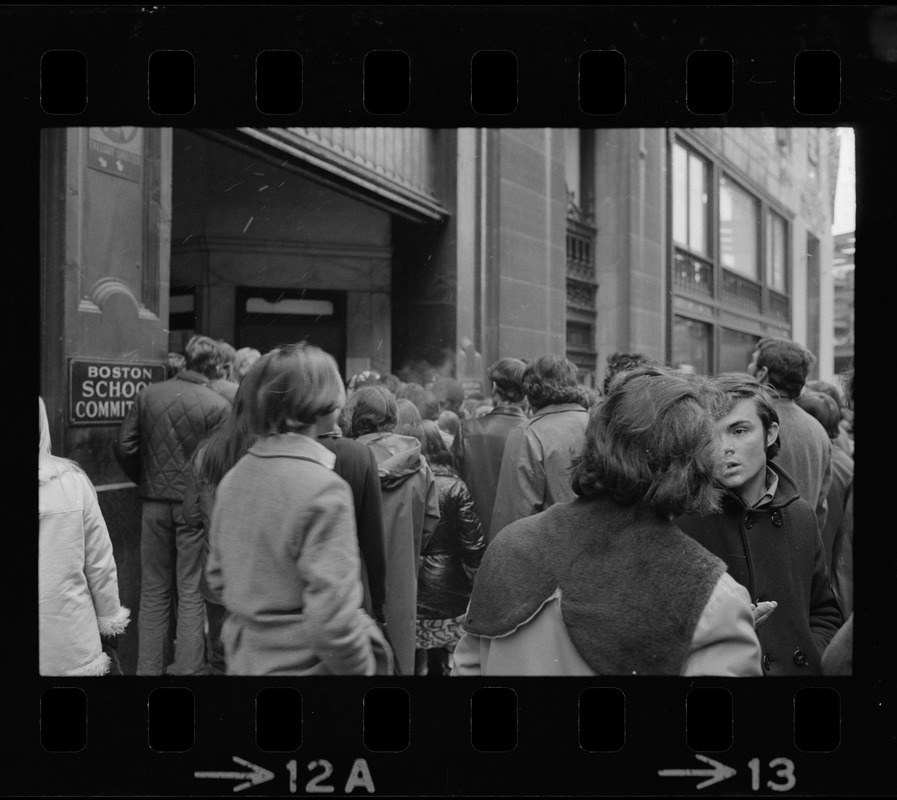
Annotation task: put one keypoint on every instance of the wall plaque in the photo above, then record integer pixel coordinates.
(102, 392)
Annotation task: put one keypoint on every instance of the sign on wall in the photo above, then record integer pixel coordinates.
(102, 392)
(116, 150)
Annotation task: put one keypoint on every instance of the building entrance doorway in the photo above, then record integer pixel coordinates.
(266, 318)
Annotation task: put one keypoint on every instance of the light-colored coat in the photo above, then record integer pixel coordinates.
(284, 559)
(591, 587)
(535, 465)
(78, 597)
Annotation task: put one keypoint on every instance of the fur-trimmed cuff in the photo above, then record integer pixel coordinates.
(99, 666)
(115, 624)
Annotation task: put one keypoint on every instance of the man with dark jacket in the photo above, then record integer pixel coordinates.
(782, 367)
(155, 443)
(767, 535)
(480, 443)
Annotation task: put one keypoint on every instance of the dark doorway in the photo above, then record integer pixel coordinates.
(266, 318)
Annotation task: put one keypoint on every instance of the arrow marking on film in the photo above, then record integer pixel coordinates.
(720, 772)
(257, 776)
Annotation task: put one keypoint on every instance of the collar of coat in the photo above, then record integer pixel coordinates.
(557, 409)
(508, 410)
(633, 586)
(785, 493)
(192, 377)
(293, 445)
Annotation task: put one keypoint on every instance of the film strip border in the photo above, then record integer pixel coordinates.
(386, 82)
(444, 66)
(453, 737)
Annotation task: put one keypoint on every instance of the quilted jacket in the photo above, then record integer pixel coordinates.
(161, 431)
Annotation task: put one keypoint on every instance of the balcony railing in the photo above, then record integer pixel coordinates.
(692, 274)
(741, 292)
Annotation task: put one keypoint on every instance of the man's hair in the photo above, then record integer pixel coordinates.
(373, 411)
(433, 446)
(448, 421)
(823, 408)
(175, 363)
(391, 382)
(449, 393)
(506, 375)
(651, 441)
(550, 380)
(826, 388)
(290, 387)
(203, 355)
(244, 358)
(426, 403)
(787, 363)
(737, 386)
(620, 362)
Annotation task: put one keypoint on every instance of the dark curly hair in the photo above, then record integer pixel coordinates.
(736, 386)
(620, 362)
(787, 364)
(652, 441)
(550, 380)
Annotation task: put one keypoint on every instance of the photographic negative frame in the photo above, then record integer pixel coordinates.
(546, 756)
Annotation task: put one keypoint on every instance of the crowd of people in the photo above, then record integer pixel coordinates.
(301, 523)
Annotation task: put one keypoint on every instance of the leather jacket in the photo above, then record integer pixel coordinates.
(452, 555)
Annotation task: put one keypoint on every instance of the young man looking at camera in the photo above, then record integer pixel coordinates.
(767, 534)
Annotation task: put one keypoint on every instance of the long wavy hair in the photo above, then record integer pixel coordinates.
(651, 441)
(227, 444)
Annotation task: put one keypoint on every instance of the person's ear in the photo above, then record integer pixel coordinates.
(762, 374)
(772, 434)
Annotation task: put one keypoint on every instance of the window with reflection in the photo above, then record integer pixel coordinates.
(691, 200)
(739, 230)
(691, 345)
(735, 350)
(776, 236)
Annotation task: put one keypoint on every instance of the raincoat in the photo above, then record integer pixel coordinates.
(410, 515)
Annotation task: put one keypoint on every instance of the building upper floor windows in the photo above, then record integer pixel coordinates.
(739, 229)
(691, 198)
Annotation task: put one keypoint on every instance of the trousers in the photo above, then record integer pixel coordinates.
(170, 559)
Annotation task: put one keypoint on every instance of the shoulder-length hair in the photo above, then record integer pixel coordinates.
(290, 388)
(737, 386)
(373, 411)
(652, 441)
(551, 380)
(227, 444)
(433, 446)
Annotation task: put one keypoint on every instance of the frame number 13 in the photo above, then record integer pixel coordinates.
(785, 771)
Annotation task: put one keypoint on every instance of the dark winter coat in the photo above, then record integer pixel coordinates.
(776, 552)
(478, 449)
(356, 465)
(450, 558)
(837, 535)
(162, 429)
(805, 454)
